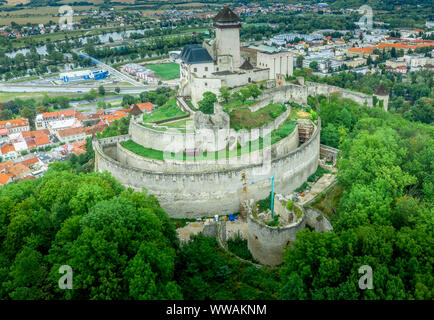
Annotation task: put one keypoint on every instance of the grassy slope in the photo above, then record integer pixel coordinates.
(167, 111)
(243, 118)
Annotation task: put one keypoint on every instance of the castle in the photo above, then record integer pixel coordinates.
(211, 168)
(222, 62)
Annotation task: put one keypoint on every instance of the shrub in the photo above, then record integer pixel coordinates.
(238, 246)
(289, 205)
(298, 212)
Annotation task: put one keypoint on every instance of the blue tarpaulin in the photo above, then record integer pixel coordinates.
(232, 217)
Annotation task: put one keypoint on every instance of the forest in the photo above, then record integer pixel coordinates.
(410, 96)
(122, 245)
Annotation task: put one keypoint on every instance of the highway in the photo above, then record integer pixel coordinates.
(67, 89)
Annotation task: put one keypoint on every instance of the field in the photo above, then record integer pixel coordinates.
(7, 96)
(39, 15)
(168, 111)
(15, 2)
(166, 71)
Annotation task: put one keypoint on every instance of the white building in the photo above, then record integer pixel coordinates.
(221, 63)
(140, 72)
(55, 126)
(15, 125)
(417, 60)
(44, 119)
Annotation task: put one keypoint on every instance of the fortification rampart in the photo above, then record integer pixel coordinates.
(195, 194)
(209, 163)
(204, 139)
(299, 93)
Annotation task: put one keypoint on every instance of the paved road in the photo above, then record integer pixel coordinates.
(70, 89)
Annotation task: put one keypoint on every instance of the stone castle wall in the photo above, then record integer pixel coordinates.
(210, 192)
(299, 93)
(177, 141)
(278, 149)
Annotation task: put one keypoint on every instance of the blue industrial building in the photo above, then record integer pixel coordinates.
(84, 75)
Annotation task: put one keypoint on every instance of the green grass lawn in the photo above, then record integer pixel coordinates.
(238, 103)
(178, 124)
(6, 96)
(283, 131)
(168, 111)
(243, 118)
(222, 154)
(166, 71)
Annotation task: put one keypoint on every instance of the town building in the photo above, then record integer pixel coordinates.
(15, 125)
(7, 152)
(44, 119)
(141, 72)
(83, 75)
(5, 178)
(355, 62)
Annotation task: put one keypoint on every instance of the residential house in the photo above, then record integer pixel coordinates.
(355, 62)
(5, 178)
(3, 135)
(109, 118)
(71, 134)
(44, 119)
(15, 125)
(37, 139)
(8, 152)
(145, 106)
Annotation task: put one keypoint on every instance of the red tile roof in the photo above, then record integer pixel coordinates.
(6, 165)
(4, 178)
(31, 143)
(369, 50)
(59, 114)
(145, 106)
(70, 131)
(42, 140)
(18, 170)
(13, 123)
(30, 161)
(33, 134)
(113, 116)
(7, 148)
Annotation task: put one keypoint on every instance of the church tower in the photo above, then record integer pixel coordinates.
(227, 25)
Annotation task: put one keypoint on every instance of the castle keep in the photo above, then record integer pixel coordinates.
(222, 62)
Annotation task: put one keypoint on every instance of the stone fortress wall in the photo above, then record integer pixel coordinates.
(176, 141)
(298, 93)
(214, 190)
(278, 149)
